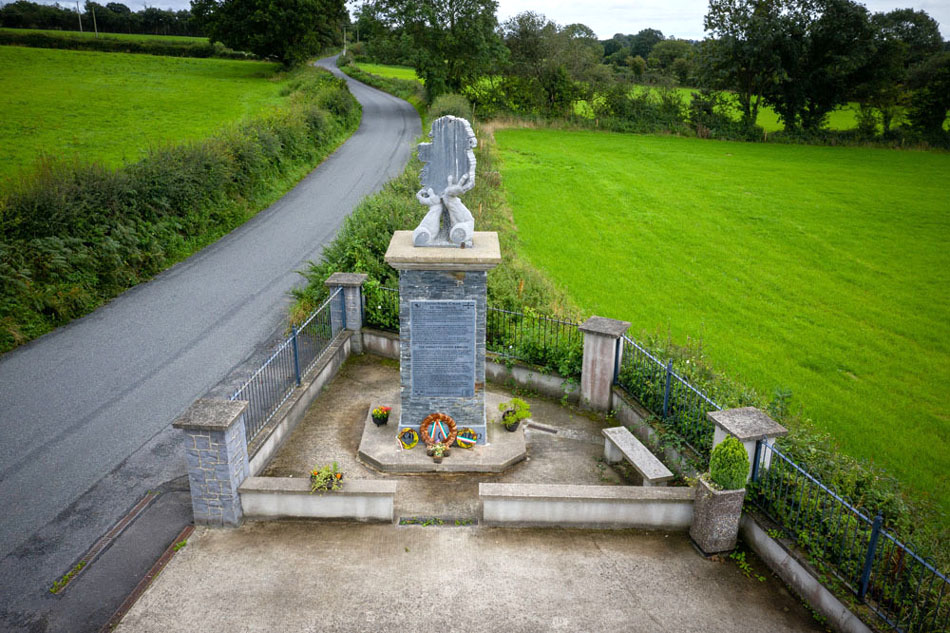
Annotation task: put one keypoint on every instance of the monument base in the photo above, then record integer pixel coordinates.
(380, 449)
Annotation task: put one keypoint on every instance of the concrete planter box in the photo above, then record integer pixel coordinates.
(716, 515)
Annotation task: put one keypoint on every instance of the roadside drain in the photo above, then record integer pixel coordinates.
(102, 544)
(422, 521)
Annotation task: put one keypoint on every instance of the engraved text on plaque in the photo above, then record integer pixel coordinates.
(443, 348)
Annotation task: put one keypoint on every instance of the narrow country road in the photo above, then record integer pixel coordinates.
(76, 403)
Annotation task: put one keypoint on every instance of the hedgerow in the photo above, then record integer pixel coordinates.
(106, 44)
(74, 235)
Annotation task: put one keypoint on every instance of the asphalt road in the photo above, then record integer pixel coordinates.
(85, 410)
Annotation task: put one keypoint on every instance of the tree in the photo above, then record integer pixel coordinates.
(930, 101)
(825, 48)
(289, 31)
(451, 42)
(740, 55)
(643, 42)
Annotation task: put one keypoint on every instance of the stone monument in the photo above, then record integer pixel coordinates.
(443, 269)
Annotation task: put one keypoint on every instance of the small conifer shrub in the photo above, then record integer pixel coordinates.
(729, 464)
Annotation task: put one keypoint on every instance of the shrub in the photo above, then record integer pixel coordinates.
(729, 464)
(451, 103)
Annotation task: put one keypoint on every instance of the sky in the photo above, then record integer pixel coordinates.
(679, 18)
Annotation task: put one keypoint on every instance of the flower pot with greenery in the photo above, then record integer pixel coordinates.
(325, 478)
(719, 496)
(438, 451)
(381, 415)
(513, 412)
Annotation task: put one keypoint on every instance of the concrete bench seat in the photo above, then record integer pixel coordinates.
(620, 444)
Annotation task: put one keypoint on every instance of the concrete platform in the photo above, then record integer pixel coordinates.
(381, 449)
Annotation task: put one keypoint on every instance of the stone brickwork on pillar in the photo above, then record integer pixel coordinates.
(216, 452)
(601, 358)
(748, 425)
(346, 311)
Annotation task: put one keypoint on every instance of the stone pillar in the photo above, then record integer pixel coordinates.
(602, 354)
(748, 425)
(442, 317)
(216, 451)
(346, 311)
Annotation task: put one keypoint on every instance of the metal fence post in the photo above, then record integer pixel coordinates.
(869, 559)
(755, 460)
(296, 354)
(617, 360)
(666, 392)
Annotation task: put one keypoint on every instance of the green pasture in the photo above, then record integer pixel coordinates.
(394, 72)
(109, 108)
(820, 270)
(113, 36)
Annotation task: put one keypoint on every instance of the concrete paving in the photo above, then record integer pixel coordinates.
(326, 577)
(329, 576)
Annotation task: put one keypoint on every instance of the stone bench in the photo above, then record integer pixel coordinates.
(620, 444)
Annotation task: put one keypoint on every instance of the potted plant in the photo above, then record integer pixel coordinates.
(513, 412)
(438, 451)
(381, 415)
(719, 495)
(326, 478)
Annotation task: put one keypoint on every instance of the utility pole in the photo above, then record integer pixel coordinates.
(344, 41)
(79, 15)
(92, 9)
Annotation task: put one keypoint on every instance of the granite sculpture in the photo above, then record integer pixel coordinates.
(448, 172)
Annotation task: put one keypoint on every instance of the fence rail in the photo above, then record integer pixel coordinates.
(554, 344)
(666, 393)
(270, 386)
(902, 588)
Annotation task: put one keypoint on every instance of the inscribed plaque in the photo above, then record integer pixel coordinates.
(442, 335)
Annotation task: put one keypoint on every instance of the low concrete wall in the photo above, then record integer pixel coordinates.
(284, 497)
(285, 420)
(385, 344)
(550, 385)
(799, 578)
(586, 506)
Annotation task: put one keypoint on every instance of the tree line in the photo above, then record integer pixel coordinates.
(803, 58)
(113, 17)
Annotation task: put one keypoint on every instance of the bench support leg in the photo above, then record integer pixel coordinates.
(612, 454)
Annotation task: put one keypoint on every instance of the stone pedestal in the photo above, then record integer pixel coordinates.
(442, 308)
(602, 355)
(716, 515)
(346, 310)
(216, 452)
(748, 425)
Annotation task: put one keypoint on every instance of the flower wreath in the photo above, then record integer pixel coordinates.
(408, 438)
(442, 429)
(466, 438)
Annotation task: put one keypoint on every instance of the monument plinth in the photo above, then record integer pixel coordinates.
(442, 313)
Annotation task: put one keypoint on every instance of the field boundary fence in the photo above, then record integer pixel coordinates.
(272, 384)
(902, 588)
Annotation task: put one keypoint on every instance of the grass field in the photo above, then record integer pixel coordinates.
(395, 72)
(109, 107)
(115, 36)
(816, 269)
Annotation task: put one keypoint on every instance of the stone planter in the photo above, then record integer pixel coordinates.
(716, 516)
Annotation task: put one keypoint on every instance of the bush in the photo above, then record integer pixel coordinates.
(729, 464)
(451, 103)
(74, 235)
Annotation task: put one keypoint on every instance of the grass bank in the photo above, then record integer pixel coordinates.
(820, 271)
(87, 106)
(75, 234)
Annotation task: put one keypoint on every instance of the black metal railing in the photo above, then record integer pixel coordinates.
(550, 343)
(270, 386)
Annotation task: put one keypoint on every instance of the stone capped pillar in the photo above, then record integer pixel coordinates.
(442, 317)
(602, 355)
(748, 425)
(346, 311)
(216, 452)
